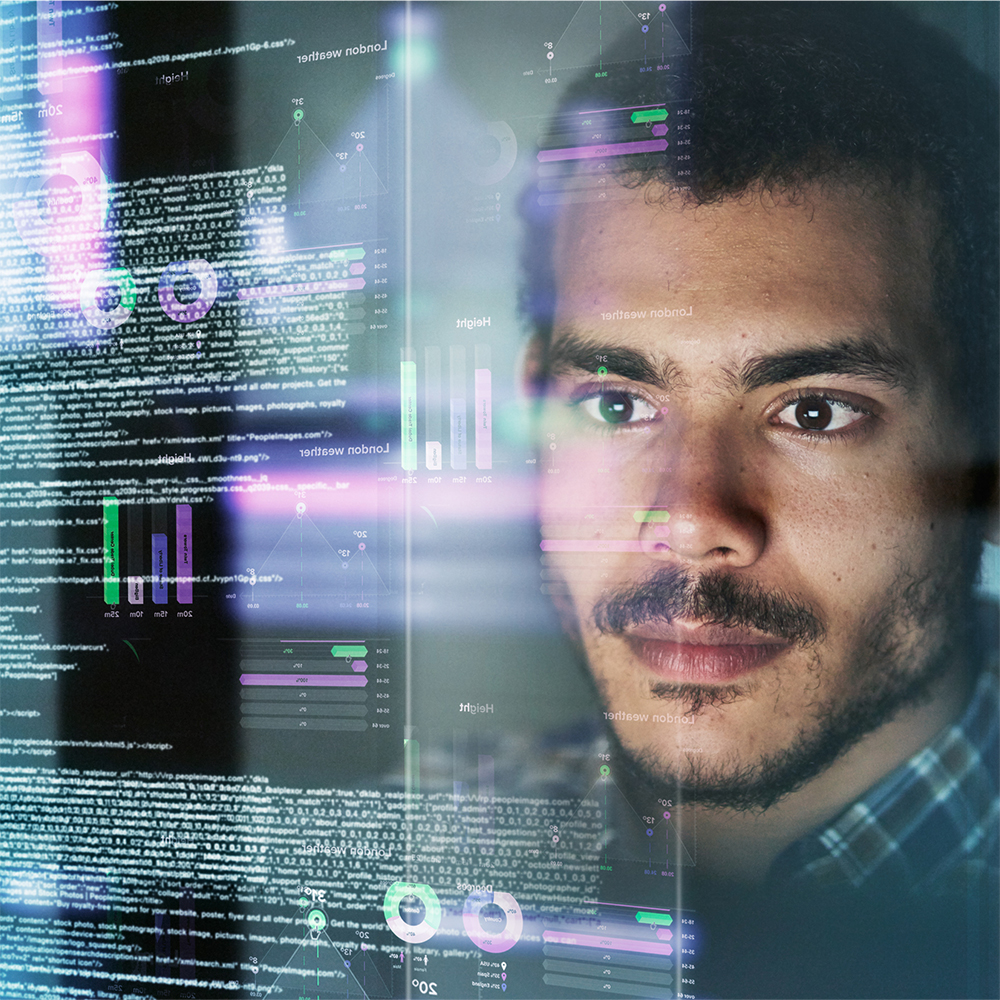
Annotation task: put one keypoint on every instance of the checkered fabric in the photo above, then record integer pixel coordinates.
(931, 825)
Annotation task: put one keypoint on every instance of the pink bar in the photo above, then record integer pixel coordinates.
(305, 680)
(302, 288)
(660, 129)
(609, 149)
(664, 933)
(357, 268)
(359, 666)
(597, 545)
(618, 944)
(484, 419)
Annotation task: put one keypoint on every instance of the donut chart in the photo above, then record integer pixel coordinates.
(107, 298)
(491, 154)
(493, 907)
(82, 206)
(402, 908)
(208, 282)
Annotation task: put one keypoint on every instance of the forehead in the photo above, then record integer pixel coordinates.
(786, 272)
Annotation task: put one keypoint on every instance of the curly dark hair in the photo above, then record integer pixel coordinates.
(788, 94)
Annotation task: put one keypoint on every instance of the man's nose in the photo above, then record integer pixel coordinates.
(716, 516)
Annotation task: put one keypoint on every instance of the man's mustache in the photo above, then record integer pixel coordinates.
(717, 598)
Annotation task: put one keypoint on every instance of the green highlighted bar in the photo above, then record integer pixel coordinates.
(411, 767)
(657, 115)
(656, 516)
(408, 413)
(351, 253)
(660, 919)
(112, 550)
(354, 652)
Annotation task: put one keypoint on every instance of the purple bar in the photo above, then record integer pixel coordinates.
(159, 568)
(596, 941)
(357, 268)
(302, 288)
(595, 545)
(185, 581)
(359, 666)
(660, 129)
(305, 680)
(609, 149)
(664, 933)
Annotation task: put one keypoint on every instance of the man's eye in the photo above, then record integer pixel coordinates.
(818, 413)
(615, 407)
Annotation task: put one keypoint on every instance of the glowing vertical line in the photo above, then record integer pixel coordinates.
(408, 346)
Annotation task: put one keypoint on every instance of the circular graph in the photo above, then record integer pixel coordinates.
(107, 298)
(196, 281)
(412, 911)
(493, 920)
(488, 156)
(71, 198)
(316, 919)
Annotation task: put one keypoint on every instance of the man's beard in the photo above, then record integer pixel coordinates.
(884, 678)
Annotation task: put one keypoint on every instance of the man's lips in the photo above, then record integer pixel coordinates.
(692, 653)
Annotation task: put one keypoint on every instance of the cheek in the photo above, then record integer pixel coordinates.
(596, 484)
(585, 535)
(855, 535)
(590, 538)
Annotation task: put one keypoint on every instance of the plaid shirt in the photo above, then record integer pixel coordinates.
(930, 825)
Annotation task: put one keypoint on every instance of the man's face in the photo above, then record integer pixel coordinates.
(752, 478)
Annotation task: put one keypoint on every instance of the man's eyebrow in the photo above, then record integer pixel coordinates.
(572, 351)
(860, 358)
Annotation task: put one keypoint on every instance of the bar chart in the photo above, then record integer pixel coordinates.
(467, 441)
(627, 950)
(314, 685)
(147, 555)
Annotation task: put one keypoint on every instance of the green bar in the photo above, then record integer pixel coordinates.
(354, 652)
(112, 548)
(663, 919)
(650, 516)
(659, 115)
(411, 767)
(408, 413)
(351, 253)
